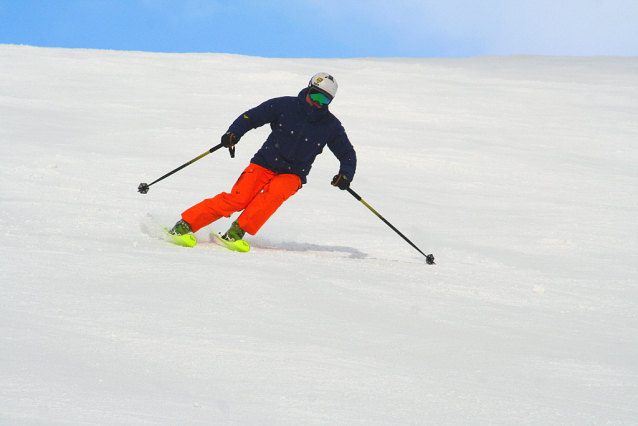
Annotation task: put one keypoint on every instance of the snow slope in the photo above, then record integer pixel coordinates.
(518, 173)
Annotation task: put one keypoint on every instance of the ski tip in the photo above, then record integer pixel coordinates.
(242, 246)
(189, 240)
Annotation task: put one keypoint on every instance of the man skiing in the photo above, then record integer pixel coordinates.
(301, 127)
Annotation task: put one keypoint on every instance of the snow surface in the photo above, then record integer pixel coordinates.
(518, 173)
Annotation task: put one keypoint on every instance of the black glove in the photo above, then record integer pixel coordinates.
(229, 140)
(341, 181)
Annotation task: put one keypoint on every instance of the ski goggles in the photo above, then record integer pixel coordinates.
(318, 96)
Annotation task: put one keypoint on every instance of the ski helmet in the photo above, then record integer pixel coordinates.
(324, 83)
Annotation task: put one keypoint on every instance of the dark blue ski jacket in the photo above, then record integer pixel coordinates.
(299, 133)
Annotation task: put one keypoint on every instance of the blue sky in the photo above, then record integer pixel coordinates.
(329, 28)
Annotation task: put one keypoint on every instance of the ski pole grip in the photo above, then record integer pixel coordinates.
(215, 148)
(354, 194)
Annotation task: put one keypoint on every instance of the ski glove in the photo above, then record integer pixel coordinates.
(341, 181)
(229, 140)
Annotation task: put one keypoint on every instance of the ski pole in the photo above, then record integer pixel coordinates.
(143, 188)
(429, 258)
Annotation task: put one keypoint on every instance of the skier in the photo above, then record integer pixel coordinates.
(301, 127)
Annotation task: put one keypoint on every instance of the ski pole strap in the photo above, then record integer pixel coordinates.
(429, 258)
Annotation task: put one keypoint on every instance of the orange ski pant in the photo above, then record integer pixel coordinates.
(258, 192)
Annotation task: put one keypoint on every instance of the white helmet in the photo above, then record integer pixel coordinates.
(324, 83)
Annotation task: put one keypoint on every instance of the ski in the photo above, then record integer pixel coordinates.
(239, 245)
(186, 240)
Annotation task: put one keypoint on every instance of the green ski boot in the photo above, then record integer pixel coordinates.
(180, 228)
(235, 233)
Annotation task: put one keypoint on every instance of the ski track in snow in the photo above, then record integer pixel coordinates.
(518, 174)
